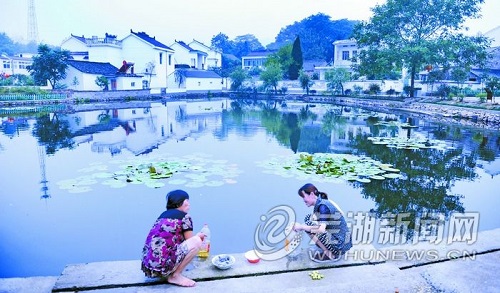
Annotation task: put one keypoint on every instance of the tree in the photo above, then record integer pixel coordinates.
(335, 79)
(50, 64)
(245, 44)
(283, 58)
(317, 33)
(102, 82)
(222, 43)
(297, 61)
(150, 69)
(271, 75)
(412, 34)
(6, 45)
(305, 81)
(238, 76)
(180, 76)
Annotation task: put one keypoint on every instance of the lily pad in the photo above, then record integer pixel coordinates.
(319, 166)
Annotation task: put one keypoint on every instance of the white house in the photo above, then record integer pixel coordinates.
(81, 75)
(255, 59)
(186, 55)
(214, 57)
(194, 80)
(150, 58)
(18, 64)
(107, 49)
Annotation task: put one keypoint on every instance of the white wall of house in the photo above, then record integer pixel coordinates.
(184, 56)
(84, 81)
(128, 83)
(203, 84)
(14, 65)
(343, 52)
(214, 58)
(73, 44)
(106, 53)
(140, 53)
(196, 84)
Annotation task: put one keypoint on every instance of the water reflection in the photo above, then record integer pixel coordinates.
(124, 133)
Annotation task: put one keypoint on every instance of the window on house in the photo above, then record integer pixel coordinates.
(354, 53)
(199, 83)
(345, 55)
(193, 62)
(169, 59)
(6, 64)
(132, 84)
(161, 58)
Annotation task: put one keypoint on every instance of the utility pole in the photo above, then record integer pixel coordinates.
(32, 23)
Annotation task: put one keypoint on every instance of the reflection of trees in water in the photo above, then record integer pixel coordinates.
(53, 133)
(430, 174)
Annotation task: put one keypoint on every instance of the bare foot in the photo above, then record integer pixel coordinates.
(180, 280)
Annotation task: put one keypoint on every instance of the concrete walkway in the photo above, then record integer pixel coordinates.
(440, 268)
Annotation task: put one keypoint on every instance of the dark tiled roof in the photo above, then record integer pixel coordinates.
(150, 40)
(185, 46)
(93, 67)
(202, 74)
(81, 39)
(489, 72)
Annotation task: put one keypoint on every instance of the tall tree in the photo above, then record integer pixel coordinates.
(50, 64)
(296, 66)
(412, 34)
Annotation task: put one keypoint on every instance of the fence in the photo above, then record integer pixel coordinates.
(32, 97)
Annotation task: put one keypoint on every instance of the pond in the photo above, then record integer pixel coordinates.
(84, 183)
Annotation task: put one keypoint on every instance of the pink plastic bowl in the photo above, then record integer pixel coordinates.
(252, 257)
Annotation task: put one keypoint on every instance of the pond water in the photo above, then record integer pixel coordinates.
(83, 184)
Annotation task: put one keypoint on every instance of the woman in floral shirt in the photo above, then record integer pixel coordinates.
(170, 245)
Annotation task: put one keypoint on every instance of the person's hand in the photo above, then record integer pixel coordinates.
(201, 235)
(297, 227)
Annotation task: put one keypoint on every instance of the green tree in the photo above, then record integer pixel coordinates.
(305, 81)
(317, 33)
(7, 46)
(50, 64)
(238, 76)
(245, 44)
(222, 43)
(335, 79)
(298, 62)
(283, 58)
(271, 75)
(102, 82)
(412, 34)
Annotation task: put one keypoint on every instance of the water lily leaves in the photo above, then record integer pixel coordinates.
(325, 166)
(414, 143)
(195, 170)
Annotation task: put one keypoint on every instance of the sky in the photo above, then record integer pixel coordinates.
(185, 20)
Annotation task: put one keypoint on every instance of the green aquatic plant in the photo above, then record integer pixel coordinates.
(413, 143)
(330, 167)
(196, 170)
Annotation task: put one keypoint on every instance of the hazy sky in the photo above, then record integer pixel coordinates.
(185, 20)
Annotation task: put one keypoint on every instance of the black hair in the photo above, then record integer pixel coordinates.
(308, 188)
(176, 198)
